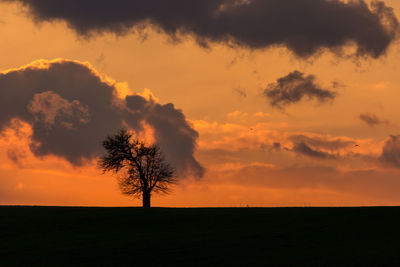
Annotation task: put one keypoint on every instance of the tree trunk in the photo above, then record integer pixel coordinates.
(146, 199)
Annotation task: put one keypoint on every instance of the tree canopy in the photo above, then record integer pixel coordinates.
(142, 168)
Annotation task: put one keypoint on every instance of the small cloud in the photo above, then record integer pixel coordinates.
(390, 155)
(330, 144)
(321, 147)
(100, 59)
(372, 120)
(304, 149)
(16, 156)
(241, 92)
(337, 84)
(295, 87)
(237, 115)
(276, 145)
(261, 115)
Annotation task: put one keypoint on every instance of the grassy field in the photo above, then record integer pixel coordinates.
(63, 236)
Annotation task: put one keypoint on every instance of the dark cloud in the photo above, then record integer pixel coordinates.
(332, 144)
(303, 149)
(304, 27)
(171, 130)
(72, 109)
(391, 152)
(294, 87)
(318, 147)
(276, 145)
(372, 119)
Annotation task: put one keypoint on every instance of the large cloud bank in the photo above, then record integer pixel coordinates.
(304, 27)
(72, 108)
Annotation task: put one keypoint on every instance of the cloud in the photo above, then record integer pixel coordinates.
(294, 87)
(48, 106)
(276, 145)
(237, 115)
(372, 120)
(241, 92)
(235, 138)
(331, 144)
(361, 184)
(304, 149)
(391, 152)
(72, 108)
(304, 27)
(322, 147)
(171, 130)
(16, 156)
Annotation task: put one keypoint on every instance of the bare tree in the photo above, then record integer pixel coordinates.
(143, 169)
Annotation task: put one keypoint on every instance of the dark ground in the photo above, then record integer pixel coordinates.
(63, 236)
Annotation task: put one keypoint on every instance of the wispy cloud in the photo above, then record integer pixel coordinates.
(373, 120)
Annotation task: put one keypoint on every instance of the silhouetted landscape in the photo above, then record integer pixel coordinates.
(80, 236)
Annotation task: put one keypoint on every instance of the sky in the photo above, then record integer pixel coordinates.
(255, 103)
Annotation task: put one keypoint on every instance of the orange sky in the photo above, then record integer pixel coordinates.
(220, 91)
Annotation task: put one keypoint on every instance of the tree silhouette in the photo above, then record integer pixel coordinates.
(143, 169)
